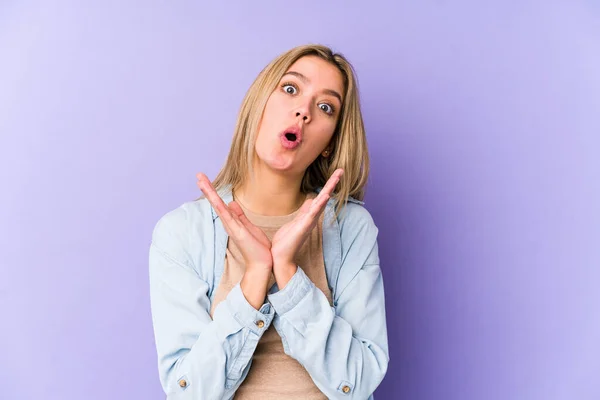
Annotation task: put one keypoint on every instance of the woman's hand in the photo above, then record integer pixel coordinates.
(290, 237)
(250, 240)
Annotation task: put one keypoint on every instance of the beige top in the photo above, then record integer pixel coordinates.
(273, 374)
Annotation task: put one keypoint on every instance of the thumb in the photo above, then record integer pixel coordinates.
(253, 229)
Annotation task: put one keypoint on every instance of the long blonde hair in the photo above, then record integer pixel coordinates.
(348, 144)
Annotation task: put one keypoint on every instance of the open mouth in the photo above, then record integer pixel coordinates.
(291, 137)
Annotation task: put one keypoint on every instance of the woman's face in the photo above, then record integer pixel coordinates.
(300, 116)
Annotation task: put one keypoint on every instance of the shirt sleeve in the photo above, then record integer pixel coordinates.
(198, 357)
(344, 348)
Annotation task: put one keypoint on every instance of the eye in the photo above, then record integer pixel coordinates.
(289, 88)
(328, 108)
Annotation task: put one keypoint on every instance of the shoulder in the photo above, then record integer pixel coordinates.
(355, 217)
(182, 229)
(358, 233)
(182, 219)
(353, 214)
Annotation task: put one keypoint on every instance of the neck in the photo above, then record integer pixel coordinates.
(270, 193)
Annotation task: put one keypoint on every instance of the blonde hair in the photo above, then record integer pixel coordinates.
(348, 144)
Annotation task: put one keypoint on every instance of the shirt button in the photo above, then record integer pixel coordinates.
(345, 389)
(260, 323)
(183, 383)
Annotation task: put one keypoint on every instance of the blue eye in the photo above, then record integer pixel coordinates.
(289, 88)
(327, 108)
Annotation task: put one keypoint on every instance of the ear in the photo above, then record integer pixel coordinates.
(326, 153)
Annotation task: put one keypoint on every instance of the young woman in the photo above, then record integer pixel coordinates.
(269, 286)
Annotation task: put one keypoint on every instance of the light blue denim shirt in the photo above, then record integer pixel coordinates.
(344, 348)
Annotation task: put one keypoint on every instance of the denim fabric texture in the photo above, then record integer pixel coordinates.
(344, 348)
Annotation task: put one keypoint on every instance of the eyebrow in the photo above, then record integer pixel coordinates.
(306, 80)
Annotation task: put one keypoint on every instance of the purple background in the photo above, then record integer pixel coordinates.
(484, 129)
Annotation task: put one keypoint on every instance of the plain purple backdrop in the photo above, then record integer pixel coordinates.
(483, 121)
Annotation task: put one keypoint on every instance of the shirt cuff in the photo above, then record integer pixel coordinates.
(258, 321)
(294, 291)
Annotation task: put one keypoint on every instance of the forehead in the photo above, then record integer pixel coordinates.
(319, 72)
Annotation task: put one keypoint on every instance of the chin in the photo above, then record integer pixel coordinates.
(280, 164)
(277, 161)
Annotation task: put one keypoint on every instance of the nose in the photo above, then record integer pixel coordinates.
(304, 114)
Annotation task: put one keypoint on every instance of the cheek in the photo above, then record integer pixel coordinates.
(264, 118)
(328, 129)
(322, 137)
(273, 107)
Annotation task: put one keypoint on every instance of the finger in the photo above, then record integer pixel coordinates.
(213, 197)
(318, 205)
(309, 213)
(256, 231)
(211, 194)
(304, 224)
(333, 181)
(324, 195)
(306, 206)
(331, 184)
(236, 209)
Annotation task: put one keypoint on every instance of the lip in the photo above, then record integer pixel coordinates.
(296, 130)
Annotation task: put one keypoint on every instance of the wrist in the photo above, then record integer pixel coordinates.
(254, 287)
(284, 271)
(259, 269)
